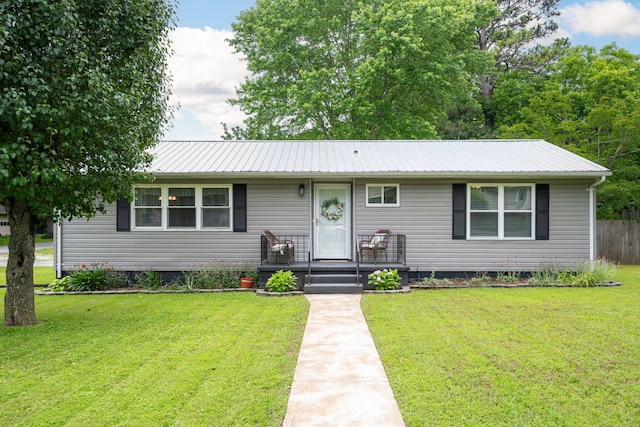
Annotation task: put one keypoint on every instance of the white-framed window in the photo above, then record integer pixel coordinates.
(383, 195)
(182, 207)
(500, 211)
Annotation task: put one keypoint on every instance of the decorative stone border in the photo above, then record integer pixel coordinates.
(402, 290)
(509, 285)
(147, 291)
(263, 293)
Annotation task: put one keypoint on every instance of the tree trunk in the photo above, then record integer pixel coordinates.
(19, 307)
(486, 90)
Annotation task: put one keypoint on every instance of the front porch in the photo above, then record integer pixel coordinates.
(293, 253)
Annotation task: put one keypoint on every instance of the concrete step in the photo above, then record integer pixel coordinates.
(333, 288)
(331, 278)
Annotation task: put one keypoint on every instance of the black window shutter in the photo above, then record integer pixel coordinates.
(459, 224)
(239, 207)
(123, 215)
(542, 211)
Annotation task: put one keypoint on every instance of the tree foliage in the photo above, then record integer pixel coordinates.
(346, 69)
(512, 39)
(589, 102)
(83, 94)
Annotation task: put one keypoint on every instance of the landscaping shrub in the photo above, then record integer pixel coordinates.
(148, 279)
(587, 273)
(384, 280)
(201, 279)
(95, 277)
(281, 281)
(433, 281)
(58, 285)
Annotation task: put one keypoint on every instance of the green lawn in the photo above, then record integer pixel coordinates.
(150, 360)
(513, 357)
(41, 275)
(4, 240)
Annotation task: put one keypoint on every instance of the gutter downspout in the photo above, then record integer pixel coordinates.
(58, 251)
(592, 217)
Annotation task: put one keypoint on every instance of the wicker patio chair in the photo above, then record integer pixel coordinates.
(378, 243)
(279, 246)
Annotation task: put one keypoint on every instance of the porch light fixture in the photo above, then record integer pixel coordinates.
(301, 190)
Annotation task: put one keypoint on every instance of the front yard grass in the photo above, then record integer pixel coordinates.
(41, 275)
(513, 357)
(141, 360)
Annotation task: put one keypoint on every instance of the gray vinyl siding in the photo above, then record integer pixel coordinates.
(275, 205)
(425, 217)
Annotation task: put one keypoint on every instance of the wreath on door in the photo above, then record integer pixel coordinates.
(332, 214)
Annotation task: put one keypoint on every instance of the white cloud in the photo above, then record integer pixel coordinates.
(602, 18)
(205, 74)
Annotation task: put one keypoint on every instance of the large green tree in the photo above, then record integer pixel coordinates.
(348, 69)
(589, 102)
(83, 94)
(512, 38)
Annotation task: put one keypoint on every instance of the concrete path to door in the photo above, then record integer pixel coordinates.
(339, 378)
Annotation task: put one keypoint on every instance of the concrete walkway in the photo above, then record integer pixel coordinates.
(339, 378)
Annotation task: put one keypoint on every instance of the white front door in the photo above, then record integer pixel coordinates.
(332, 221)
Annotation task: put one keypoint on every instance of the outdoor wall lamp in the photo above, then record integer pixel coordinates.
(301, 190)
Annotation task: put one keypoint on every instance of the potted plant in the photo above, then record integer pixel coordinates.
(249, 276)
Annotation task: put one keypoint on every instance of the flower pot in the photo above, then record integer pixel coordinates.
(246, 282)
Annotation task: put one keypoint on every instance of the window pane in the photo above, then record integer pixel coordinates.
(182, 197)
(148, 197)
(390, 195)
(484, 224)
(216, 217)
(517, 224)
(375, 195)
(148, 217)
(215, 197)
(517, 198)
(484, 198)
(182, 217)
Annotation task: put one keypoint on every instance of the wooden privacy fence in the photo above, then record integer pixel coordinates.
(619, 241)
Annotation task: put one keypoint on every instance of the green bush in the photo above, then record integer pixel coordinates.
(385, 279)
(58, 285)
(201, 279)
(587, 273)
(545, 275)
(282, 281)
(95, 277)
(226, 275)
(481, 278)
(148, 279)
(433, 281)
(219, 274)
(508, 276)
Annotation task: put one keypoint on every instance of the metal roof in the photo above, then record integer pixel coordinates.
(434, 158)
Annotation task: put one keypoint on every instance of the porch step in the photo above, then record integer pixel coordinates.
(332, 283)
(333, 288)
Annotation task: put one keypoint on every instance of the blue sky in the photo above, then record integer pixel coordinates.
(206, 71)
(213, 13)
